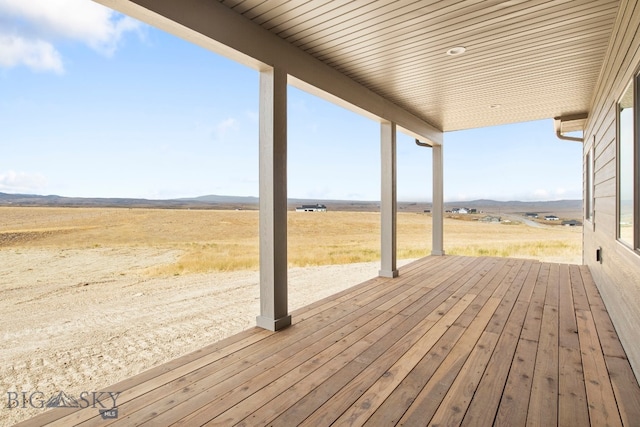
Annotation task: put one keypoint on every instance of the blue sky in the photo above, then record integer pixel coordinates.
(96, 104)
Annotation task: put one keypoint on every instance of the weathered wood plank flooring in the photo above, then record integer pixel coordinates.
(452, 341)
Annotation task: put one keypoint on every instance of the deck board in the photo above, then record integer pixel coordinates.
(451, 341)
(572, 399)
(486, 399)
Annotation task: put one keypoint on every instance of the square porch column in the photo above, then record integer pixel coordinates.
(388, 202)
(274, 313)
(437, 215)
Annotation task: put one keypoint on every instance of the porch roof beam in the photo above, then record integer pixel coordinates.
(214, 26)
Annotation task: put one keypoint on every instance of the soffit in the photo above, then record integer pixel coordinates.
(524, 60)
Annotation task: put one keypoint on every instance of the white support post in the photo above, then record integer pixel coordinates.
(388, 199)
(274, 313)
(437, 216)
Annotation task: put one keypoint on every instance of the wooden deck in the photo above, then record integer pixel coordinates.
(452, 341)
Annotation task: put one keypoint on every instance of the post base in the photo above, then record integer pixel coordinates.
(273, 325)
(388, 273)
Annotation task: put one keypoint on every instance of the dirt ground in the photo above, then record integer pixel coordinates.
(81, 319)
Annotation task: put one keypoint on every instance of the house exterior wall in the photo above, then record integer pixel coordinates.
(618, 275)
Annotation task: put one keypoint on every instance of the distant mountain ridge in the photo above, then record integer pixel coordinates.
(212, 198)
(250, 202)
(204, 202)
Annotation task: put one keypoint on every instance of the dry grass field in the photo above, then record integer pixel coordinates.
(228, 240)
(91, 296)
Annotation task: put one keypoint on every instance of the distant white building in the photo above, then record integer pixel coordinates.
(312, 208)
(551, 218)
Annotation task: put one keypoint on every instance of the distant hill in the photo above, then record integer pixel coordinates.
(251, 203)
(61, 201)
(212, 198)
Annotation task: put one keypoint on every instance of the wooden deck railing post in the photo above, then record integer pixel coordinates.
(388, 200)
(437, 215)
(274, 313)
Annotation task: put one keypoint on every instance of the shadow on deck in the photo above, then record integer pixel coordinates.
(453, 340)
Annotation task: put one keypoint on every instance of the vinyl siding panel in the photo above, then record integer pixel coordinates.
(606, 150)
(607, 205)
(605, 189)
(605, 172)
(618, 276)
(607, 157)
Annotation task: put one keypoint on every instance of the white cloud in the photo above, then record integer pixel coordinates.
(29, 29)
(35, 54)
(22, 182)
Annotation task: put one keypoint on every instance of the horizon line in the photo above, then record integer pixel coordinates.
(195, 198)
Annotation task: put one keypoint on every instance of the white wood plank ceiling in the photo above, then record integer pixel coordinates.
(524, 59)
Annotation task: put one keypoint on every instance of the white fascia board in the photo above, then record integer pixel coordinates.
(210, 24)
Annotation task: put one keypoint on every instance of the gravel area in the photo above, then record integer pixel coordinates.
(80, 320)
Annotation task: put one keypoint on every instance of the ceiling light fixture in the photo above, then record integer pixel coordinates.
(455, 51)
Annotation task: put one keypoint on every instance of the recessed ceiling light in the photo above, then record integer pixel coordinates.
(458, 50)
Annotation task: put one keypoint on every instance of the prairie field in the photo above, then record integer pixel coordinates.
(92, 296)
(224, 240)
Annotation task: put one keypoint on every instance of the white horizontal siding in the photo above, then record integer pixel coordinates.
(618, 275)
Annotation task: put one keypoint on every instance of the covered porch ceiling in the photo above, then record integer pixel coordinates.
(523, 59)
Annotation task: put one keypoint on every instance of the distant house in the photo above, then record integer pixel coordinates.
(312, 208)
(571, 223)
(551, 218)
(427, 211)
(531, 215)
(460, 210)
